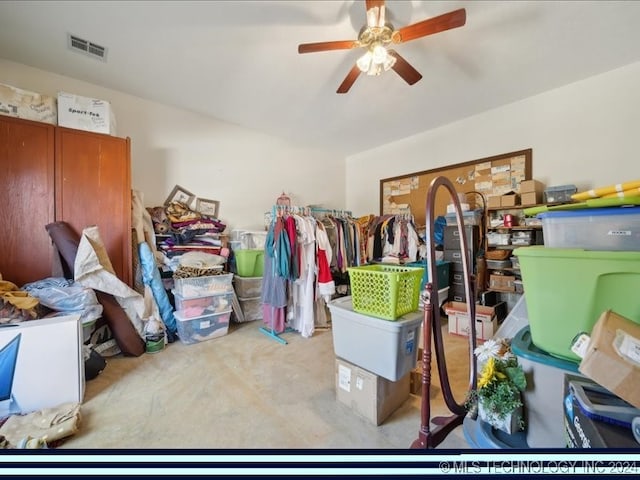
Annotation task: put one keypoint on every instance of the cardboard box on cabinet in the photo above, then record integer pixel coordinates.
(84, 113)
(41, 364)
(19, 103)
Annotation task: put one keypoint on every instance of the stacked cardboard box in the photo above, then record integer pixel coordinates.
(531, 192)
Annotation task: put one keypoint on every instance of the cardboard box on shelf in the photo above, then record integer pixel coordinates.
(613, 356)
(41, 364)
(458, 318)
(527, 186)
(19, 103)
(84, 113)
(530, 198)
(370, 396)
(494, 201)
(502, 283)
(509, 200)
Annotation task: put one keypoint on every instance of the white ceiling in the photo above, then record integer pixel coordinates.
(237, 60)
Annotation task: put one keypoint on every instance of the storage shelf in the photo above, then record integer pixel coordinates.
(522, 207)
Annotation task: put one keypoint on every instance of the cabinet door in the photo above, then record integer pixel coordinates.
(26, 199)
(93, 187)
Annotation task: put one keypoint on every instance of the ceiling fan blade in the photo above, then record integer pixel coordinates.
(447, 21)
(404, 69)
(324, 46)
(349, 80)
(375, 13)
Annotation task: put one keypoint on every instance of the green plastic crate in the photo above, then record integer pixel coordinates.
(568, 289)
(250, 263)
(385, 291)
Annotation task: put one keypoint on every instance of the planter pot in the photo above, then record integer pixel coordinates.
(509, 424)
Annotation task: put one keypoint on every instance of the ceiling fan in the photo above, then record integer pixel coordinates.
(376, 37)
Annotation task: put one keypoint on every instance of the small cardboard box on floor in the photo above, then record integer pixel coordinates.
(369, 396)
(486, 320)
(613, 356)
(41, 364)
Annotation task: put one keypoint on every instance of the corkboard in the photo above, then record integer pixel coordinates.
(495, 175)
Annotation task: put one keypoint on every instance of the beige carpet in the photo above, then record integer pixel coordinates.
(242, 391)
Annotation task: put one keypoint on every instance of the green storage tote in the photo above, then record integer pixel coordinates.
(249, 262)
(385, 291)
(442, 272)
(568, 289)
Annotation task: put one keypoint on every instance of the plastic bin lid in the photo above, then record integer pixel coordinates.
(591, 212)
(345, 305)
(522, 346)
(581, 253)
(466, 213)
(559, 188)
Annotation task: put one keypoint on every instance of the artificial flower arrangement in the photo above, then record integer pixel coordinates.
(501, 381)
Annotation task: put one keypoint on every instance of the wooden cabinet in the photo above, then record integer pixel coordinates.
(26, 199)
(61, 174)
(93, 187)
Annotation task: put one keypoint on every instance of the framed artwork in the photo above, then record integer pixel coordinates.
(179, 194)
(208, 208)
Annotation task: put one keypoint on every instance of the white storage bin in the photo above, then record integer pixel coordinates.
(199, 306)
(470, 217)
(615, 228)
(199, 329)
(247, 287)
(202, 286)
(384, 347)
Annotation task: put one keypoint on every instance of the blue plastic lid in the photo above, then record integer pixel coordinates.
(522, 346)
(591, 212)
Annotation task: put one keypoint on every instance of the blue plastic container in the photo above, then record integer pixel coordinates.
(615, 228)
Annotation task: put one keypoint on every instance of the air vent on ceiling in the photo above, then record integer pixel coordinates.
(88, 48)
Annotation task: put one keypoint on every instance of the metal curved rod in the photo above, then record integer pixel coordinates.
(431, 325)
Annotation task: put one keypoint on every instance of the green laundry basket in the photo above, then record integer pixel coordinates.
(385, 291)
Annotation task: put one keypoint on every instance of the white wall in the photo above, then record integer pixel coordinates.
(243, 169)
(585, 134)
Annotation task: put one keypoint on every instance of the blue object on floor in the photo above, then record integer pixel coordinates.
(479, 434)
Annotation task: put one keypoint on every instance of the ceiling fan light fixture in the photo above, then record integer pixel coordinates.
(378, 53)
(364, 62)
(376, 60)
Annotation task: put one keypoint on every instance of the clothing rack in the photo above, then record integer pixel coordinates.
(331, 211)
(269, 332)
(276, 211)
(300, 322)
